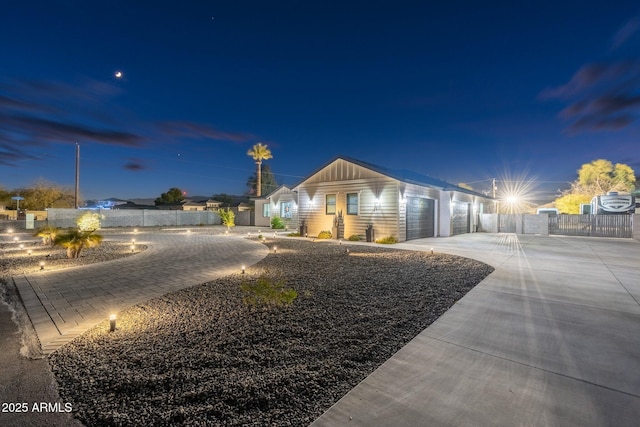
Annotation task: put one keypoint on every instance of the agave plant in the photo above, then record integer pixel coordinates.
(76, 240)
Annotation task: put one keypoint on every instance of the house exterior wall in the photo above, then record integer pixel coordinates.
(378, 200)
(276, 200)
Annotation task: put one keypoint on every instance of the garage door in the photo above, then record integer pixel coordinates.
(461, 218)
(420, 217)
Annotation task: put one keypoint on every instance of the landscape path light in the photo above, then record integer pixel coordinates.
(431, 251)
(112, 323)
(21, 246)
(275, 249)
(243, 268)
(29, 252)
(15, 239)
(133, 248)
(41, 265)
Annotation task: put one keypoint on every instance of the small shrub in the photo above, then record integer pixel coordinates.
(227, 217)
(88, 222)
(76, 240)
(388, 240)
(267, 292)
(294, 234)
(326, 234)
(354, 238)
(48, 234)
(277, 223)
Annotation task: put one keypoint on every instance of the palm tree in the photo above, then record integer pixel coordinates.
(259, 152)
(76, 240)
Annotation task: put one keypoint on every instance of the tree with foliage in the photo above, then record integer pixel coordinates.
(259, 152)
(173, 196)
(228, 217)
(43, 195)
(596, 178)
(224, 198)
(268, 181)
(83, 237)
(47, 234)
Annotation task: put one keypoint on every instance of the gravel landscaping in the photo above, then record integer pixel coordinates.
(200, 356)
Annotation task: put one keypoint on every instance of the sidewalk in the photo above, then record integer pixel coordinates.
(551, 338)
(65, 303)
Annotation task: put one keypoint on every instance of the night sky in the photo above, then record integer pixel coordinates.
(461, 91)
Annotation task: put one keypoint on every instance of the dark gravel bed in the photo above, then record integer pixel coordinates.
(201, 357)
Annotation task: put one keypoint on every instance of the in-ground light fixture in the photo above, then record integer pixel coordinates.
(112, 323)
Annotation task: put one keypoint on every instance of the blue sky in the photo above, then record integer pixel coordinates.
(462, 91)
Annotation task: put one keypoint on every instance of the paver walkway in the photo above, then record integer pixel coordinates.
(65, 303)
(550, 338)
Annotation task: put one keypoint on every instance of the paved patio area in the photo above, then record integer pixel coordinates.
(551, 338)
(65, 303)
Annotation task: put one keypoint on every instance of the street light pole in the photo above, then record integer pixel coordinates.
(77, 175)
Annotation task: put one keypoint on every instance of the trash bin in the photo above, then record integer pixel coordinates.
(303, 229)
(370, 233)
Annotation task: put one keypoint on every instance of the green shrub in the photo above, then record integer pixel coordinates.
(227, 217)
(388, 240)
(294, 234)
(326, 234)
(267, 292)
(354, 238)
(277, 223)
(48, 234)
(76, 240)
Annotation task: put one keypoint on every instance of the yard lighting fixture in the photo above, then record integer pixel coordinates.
(15, 239)
(133, 241)
(10, 230)
(29, 252)
(41, 265)
(274, 234)
(243, 268)
(133, 248)
(21, 246)
(135, 230)
(340, 242)
(275, 249)
(259, 231)
(112, 323)
(431, 251)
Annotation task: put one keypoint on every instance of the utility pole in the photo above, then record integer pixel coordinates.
(493, 186)
(77, 192)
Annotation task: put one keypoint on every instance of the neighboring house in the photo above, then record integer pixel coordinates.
(194, 206)
(213, 205)
(282, 202)
(402, 204)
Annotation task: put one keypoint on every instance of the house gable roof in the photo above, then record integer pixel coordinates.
(402, 175)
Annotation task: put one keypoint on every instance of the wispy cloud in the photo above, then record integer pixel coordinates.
(134, 165)
(39, 113)
(625, 33)
(600, 96)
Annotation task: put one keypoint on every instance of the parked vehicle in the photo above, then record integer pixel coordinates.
(613, 203)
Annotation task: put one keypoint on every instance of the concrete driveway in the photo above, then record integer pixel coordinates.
(551, 338)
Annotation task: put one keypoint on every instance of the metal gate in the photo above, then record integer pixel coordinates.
(507, 223)
(591, 225)
(461, 218)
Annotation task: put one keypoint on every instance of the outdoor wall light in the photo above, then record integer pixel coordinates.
(376, 204)
(243, 268)
(41, 265)
(112, 323)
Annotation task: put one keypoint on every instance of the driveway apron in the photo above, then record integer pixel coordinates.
(65, 303)
(550, 338)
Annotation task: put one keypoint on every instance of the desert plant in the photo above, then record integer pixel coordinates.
(325, 234)
(75, 240)
(388, 240)
(277, 223)
(228, 217)
(48, 234)
(354, 238)
(267, 292)
(88, 222)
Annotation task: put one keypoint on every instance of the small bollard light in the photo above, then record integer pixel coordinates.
(340, 242)
(259, 232)
(112, 323)
(264, 239)
(10, 230)
(21, 246)
(347, 251)
(431, 251)
(243, 268)
(41, 265)
(306, 234)
(133, 241)
(274, 234)
(15, 239)
(135, 230)
(188, 231)
(29, 252)
(275, 249)
(133, 248)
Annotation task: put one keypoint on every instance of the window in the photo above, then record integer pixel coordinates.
(266, 210)
(285, 209)
(331, 204)
(352, 203)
